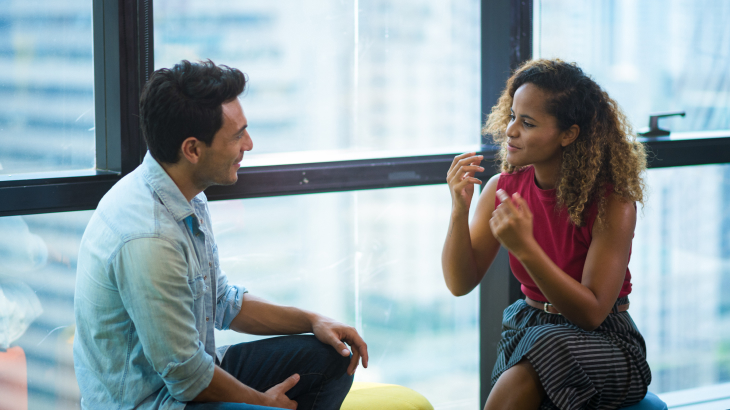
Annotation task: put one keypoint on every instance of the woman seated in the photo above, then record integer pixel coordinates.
(565, 209)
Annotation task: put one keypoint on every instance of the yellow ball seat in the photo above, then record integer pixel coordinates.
(369, 396)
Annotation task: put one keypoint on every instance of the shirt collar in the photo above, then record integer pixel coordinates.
(165, 188)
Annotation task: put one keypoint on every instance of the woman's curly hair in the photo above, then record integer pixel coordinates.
(604, 155)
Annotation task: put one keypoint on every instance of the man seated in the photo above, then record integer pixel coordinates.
(149, 288)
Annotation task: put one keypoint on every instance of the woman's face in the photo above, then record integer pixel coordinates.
(533, 136)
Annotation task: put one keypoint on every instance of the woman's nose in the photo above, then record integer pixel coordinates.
(512, 131)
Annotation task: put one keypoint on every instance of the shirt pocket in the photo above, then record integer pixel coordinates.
(197, 286)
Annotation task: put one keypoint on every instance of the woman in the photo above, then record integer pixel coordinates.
(565, 209)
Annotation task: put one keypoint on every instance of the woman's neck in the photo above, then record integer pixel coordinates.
(546, 174)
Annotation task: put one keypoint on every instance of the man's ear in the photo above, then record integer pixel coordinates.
(570, 135)
(191, 150)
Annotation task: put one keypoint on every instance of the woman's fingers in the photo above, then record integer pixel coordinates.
(464, 183)
(509, 206)
(464, 163)
(524, 208)
(457, 160)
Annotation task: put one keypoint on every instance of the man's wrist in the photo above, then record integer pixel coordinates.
(312, 319)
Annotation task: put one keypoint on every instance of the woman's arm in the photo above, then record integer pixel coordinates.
(586, 303)
(469, 250)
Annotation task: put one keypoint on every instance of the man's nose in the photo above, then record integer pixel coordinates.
(247, 142)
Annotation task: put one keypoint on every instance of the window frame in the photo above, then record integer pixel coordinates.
(124, 59)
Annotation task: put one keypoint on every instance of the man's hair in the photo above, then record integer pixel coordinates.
(185, 101)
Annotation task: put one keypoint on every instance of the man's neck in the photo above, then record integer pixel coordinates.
(182, 176)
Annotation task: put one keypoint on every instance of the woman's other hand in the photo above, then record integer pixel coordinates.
(461, 179)
(511, 223)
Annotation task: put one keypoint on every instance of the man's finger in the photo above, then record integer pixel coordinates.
(341, 348)
(358, 346)
(353, 363)
(290, 382)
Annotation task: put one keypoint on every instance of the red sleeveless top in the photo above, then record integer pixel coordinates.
(564, 243)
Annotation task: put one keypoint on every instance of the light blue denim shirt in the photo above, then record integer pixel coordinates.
(149, 290)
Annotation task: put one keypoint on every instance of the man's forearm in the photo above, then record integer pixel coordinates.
(226, 388)
(259, 317)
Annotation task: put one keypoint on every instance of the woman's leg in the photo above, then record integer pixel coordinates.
(518, 387)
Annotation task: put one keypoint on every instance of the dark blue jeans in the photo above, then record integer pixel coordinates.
(323, 382)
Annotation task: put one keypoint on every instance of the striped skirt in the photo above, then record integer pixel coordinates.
(601, 369)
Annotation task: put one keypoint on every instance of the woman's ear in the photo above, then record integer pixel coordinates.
(190, 150)
(570, 135)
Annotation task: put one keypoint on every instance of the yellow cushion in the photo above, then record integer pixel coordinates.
(370, 396)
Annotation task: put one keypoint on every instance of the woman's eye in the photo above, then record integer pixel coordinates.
(511, 117)
(528, 125)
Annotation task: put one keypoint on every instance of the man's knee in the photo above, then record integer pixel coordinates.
(336, 364)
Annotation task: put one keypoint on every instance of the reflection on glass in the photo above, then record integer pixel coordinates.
(650, 55)
(395, 76)
(680, 268)
(37, 271)
(370, 259)
(46, 86)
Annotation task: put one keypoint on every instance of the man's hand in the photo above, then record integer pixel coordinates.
(277, 395)
(335, 333)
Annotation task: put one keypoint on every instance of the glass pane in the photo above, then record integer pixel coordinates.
(370, 259)
(37, 278)
(681, 273)
(650, 55)
(46, 86)
(333, 80)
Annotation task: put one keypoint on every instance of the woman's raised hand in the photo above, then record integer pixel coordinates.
(461, 179)
(511, 222)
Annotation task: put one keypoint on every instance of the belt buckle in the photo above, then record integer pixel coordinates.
(545, 308)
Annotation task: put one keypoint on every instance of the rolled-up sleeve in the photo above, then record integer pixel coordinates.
(152, 279)
(229, 301)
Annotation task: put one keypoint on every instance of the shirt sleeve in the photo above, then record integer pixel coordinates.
(229, 300)
(152, 279)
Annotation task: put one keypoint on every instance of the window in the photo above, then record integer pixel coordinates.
(370, 259)
(651, 56)
(681, 297)
(332, 80)
(46, 87)
(37, 270)
(389, 90)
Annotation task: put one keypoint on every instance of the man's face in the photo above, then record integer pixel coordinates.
(219, 163)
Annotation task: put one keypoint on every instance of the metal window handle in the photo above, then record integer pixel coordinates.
(654, 130)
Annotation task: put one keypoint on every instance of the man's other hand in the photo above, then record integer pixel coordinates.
(277, 395)
(336, 334)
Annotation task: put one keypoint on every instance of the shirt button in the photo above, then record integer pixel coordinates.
(210, 264)
(205, 277)
(201, 221)
(206, 319)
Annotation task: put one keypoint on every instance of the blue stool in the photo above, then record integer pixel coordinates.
(650, 402)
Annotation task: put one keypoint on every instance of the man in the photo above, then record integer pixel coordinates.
(149, 289)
